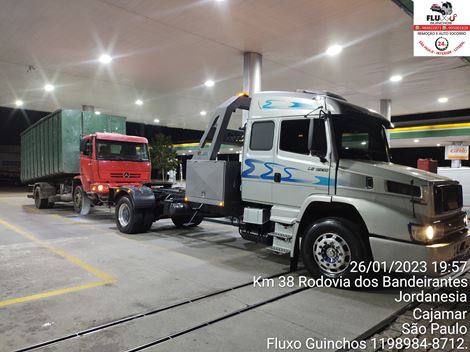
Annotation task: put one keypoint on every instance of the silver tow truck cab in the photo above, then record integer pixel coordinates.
(316, 179)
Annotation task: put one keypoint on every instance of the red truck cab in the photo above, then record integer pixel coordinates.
(110, 160)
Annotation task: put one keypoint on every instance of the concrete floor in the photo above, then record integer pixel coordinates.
(61, 273)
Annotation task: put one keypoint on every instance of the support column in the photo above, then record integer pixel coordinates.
(252, 63)
(88, 108)
(456, 163)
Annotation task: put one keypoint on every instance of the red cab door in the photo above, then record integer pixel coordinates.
(86, 164)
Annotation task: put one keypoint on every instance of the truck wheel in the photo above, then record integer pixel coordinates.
(40, 203)
(183, 221)
(197, 220)
(330, 245)
(147, 221)
(127, 219)
(81, 202)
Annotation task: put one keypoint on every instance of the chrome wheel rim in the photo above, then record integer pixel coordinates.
(332, 254)
(124, 215)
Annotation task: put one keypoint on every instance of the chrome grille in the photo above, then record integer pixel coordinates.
(128, 175)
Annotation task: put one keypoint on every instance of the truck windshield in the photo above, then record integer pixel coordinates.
(358, 140)
(116, 150)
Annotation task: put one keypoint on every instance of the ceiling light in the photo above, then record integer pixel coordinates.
(363, 142)
(443, 100)
(231, 149)
(139, 102)
(156, 120)
(334, 50)
(184, 154)
(105, 59)
(209, 83)
(438, 144)
(48, 87)
(416, 140)
(396, 78)
(19, 103)
(203, 113)
(190, 151)
(97, 112)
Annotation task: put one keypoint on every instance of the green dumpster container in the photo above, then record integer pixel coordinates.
(50, 149)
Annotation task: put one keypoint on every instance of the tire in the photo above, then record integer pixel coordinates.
(128, 220)
(330, 245)
(38, 202)
(81, 202)
(147, 221)
(183, 221)
(197, 220)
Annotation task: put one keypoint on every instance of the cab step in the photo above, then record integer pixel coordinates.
(279, 250)
(280, 235)
(281, 245)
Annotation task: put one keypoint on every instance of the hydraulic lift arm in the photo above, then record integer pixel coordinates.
(217, 129)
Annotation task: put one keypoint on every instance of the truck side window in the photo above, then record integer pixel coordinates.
(87, 150)
(262, 134)
(294, 136)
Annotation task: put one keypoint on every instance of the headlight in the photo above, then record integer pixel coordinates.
(100, 188)
(430, 233)
(422, 233)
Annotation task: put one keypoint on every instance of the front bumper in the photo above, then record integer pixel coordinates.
(388, 250)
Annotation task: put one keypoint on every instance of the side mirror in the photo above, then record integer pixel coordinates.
(82, 145)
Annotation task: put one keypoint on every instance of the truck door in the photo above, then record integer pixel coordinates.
(257, 176)
(298, 173)
(86, 163)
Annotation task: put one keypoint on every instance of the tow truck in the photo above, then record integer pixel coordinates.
(316, 181)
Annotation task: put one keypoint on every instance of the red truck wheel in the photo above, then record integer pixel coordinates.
(128, 220)
(81, 202)
(147, 221)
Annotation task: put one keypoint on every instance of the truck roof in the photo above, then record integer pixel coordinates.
(300, 103)
(120, 137)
